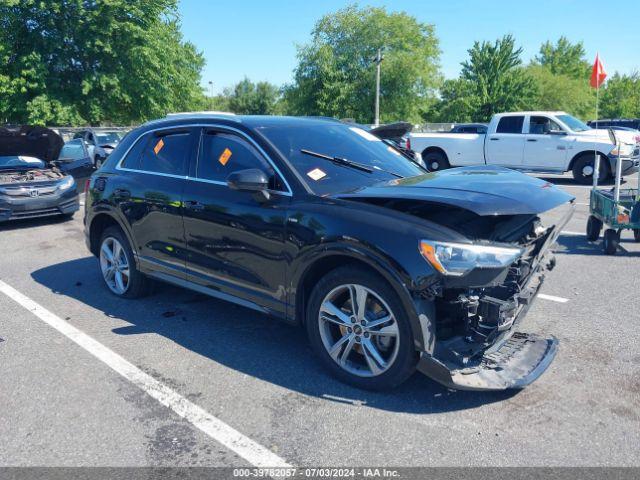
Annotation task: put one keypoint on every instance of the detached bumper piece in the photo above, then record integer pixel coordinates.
(519, 361)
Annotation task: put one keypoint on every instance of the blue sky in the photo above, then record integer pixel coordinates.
(258, 38)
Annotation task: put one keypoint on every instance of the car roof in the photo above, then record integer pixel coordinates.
(251, 121)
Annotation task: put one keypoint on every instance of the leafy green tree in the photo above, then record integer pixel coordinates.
(335, 75)
(76, 61)
(561, 92)
(499, 83)
(564, 58)
(620, 97)
(251, 98)
(458, 103)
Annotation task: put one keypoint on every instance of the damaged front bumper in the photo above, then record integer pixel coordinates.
(56, 203)
(487, 352)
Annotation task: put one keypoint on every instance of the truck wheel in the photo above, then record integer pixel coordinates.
(359, 328)
(594, 226)
(583, 169)
(611, 241)
(435, 161)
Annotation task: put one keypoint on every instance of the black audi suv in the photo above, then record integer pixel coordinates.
(388, 267)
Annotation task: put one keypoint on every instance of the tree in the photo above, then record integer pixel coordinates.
(499, 83)
(620, 97)
(564, 58)
(251, 98)
(561, 92)
(335, 75)
(458, 102)
(73, 61)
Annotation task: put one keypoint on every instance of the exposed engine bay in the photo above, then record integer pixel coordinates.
(36, 175)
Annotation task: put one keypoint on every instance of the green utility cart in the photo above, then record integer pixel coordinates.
(617, 208)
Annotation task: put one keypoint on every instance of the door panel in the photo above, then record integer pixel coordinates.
(150, 198)
(543, 149)
(506, 146)
(235, 243)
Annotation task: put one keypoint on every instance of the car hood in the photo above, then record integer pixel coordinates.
(483, 190)
(602, 134)
(30, 141)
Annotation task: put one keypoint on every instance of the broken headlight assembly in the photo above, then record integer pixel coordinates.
(457, 259)
(66, 183)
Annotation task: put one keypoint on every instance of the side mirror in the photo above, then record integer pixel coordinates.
(250, 180)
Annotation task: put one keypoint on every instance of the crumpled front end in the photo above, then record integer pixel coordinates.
(474, 322)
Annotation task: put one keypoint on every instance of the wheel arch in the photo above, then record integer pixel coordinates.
(334, 258)
(585, 153)
(434, 149)
(99, 223)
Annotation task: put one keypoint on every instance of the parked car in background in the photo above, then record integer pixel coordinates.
(32, 180)
(74, 159)
(469, 128)
(388, 268)
(100, 143)
(550, 142)
(633, 123)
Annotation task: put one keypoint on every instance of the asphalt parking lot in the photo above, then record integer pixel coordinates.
(254, 383)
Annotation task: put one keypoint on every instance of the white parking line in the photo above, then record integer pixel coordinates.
(235, 441)
(552, 298)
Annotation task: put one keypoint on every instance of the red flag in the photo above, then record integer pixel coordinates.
(597, 74)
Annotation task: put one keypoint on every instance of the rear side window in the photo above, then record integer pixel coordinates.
(222, 154)
(510, 124)
(166, 153)
(132, 159)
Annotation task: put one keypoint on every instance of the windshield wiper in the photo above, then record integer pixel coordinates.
(348, 163)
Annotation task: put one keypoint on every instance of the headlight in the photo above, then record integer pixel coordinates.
(457, 259)
(66, 183)
(622, 150)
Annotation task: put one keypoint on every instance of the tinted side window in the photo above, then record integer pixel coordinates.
(222, 154)
(510, 125)
(166, 153)
(132, 160)
(542, 125)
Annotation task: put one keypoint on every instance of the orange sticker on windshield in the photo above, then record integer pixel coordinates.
(158, 146)
(225, 156)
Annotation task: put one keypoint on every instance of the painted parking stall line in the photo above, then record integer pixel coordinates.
(553, 298)
(215, 428)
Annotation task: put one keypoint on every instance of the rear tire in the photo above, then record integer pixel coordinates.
(594, 226)
(126, 283)
(583, 169)
(611, 241)
(360, 348)
(435, 161)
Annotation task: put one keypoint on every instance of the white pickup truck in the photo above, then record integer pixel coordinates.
(550, 142)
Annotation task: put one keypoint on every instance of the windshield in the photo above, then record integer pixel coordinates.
(337, 140)
(108, 137)
(15, 161)
(573, 123)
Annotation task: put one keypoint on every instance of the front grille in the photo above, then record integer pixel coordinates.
(42, 212)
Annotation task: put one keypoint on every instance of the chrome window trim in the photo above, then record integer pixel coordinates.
(288, 193)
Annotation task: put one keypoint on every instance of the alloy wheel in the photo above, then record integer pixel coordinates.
(114, 265)
(358, 330)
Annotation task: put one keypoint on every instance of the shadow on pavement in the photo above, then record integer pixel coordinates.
(579, 245)
(245, 341)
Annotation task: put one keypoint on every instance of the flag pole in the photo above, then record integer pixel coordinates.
(596, 157)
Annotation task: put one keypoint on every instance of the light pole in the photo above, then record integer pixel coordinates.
(378, 61)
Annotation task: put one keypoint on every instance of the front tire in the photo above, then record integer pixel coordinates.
(583, 169)
(435, 161)
(118, 267)
(358, 327)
